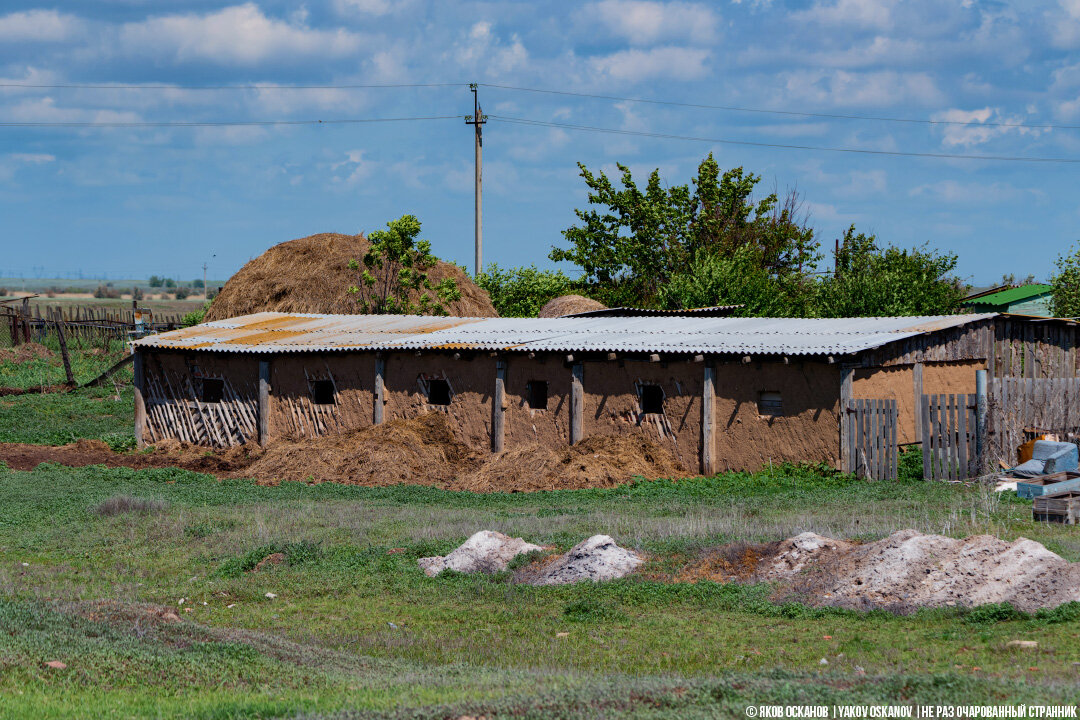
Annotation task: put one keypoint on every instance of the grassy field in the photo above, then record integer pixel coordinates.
(142, 584)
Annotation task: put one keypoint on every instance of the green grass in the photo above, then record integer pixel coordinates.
(60, 418)
(355, 626)
(88, 360)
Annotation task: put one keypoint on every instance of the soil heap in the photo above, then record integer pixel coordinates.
(311, 275)
(569, 305)
(485, 552)
(597, 559)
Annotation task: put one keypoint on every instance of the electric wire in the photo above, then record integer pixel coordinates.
(218, 123)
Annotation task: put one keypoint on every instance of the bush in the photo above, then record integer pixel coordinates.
(136, 293)
(4, 292)
(104, 291)
(522, 291)
(124, 504)
(183, 292)
(195, 316)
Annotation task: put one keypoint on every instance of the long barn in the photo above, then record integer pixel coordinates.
(721, 393)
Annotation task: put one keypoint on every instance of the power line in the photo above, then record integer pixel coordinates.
(723, 141)
(226, 123)
(796, 113)
(75, 86)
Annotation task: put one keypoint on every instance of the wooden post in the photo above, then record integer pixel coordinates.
(64, 353)
(498, 409)
(917, 389)
(577, 402)
(264, 402)
(380, 388)
(708, 419)
(980, 420)
(847, 441)
(140, 401)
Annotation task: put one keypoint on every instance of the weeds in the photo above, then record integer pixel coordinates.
(126, 504)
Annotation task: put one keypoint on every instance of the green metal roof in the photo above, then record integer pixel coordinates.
(1010, 296)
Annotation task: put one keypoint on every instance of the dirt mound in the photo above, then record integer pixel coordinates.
(484, 552)
(25, 353)
(601, 461)
(596, 559)
(311, 274)
(569, 305)
(908, 570)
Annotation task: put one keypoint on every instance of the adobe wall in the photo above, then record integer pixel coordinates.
(952, 377)
(522, 425)
(808, 430)
(172, 389)
(612, 405)
(472, 382)
(293, 413)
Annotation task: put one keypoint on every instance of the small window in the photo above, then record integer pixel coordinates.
(537, 391)
(322, 392)
(770, 404)
(438, 392)
(213, 390)
(652, 399)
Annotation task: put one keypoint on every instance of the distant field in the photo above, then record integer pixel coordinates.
(170, 307)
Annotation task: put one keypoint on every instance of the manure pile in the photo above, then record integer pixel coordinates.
(311, 275)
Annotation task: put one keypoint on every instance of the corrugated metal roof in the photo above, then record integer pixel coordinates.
(273, 332)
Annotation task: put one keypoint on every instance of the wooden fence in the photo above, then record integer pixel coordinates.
(949, 442)
(871, 436)
(80, 323)
(1017, 405)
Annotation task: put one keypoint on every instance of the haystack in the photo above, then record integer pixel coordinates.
(569, 305)
(311, 274)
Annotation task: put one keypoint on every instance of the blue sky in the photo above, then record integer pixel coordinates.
(136, 201)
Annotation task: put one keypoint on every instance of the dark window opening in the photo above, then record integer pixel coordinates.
(213, 390)
(322, 392)
(438, 392)
(770, 403)
(538, 394)
(652, 400)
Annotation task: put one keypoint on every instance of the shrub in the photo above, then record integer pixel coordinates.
(136, 293)
(4, 292)
(124, 504)
(182, 292)
(104, 291)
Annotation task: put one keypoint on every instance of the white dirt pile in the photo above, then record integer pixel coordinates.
(596, 559)
(485, 552)
(908, 570)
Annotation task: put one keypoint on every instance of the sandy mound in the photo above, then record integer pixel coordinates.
(25, 353)
(485, 552)
(909, 569)
(569, 305)
(311, 275)
(601, 461)
(595, 559)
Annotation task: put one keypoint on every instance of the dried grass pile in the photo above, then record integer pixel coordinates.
(311, 275)
(569, 305)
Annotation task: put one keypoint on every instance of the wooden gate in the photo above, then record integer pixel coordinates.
(871, 435)
(948, 437)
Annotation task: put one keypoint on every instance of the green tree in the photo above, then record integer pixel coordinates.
(522, 291)
(874, 281)
(156, 281)
(640, 239)
(393, 274)
(170, 283)
(1065, 284)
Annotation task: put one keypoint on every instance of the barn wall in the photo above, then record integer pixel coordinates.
(550, 427)
(808, 430)
(172, 392)
(612, 406)
(293, 412)
(472, 381)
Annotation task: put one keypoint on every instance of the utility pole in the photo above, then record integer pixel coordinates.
(477, 120)
(205, 291)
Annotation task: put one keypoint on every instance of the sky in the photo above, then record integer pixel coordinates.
(130, 201)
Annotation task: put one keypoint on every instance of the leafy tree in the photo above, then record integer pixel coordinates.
(874, 281)
(156, 282)
(1065, 284)
(393, 274)
(1010, 279)
(170, 283)
(197, 283)
(522, 291)
(640, 239)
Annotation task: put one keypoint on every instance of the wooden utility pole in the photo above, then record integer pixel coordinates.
(205, 290)
(477, 120)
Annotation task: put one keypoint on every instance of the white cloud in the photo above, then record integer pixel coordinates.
(39, 26)
(354, 169)
(676, 63)
(368, 7)
(858, 13)
(643, 22)
(240, 35)
(483, 45)
(45, 110)
(951, 191)
(975, 131)
(843, 88)
(12, 162)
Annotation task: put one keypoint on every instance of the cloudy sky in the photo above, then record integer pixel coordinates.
(132, 201)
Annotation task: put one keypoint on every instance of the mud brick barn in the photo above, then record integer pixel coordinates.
(720, 393)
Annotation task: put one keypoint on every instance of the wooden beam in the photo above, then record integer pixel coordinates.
(140, 401)
(708, 420)
(847, 375)
(577, 402)
(264, 402)
(498, 409)
(64, 350)
(380, 389)
(917, 390)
